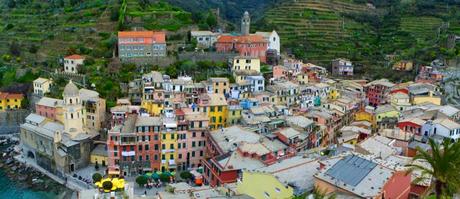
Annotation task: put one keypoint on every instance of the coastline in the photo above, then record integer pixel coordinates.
(25, 179)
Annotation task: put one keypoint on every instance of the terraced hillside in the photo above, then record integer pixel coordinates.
(319, 26)
(321, 30)
(43, 31)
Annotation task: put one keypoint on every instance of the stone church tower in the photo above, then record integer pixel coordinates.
(72, 108)
(245, 23)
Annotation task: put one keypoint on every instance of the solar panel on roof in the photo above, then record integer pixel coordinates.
(351, 170)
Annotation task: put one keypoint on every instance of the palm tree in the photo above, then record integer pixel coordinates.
(444, 167)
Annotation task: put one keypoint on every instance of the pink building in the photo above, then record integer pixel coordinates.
(48, 107)
(192, 129)
(280, 72)
(246, 45)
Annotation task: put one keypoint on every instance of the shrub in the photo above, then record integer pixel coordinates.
(107, 185)
(97, 177)
(164, 177)
(186, 175)
(141, 180)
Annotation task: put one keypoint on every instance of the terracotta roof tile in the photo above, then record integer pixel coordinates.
(11, 96)
(75, 56)
(241, 39)
(159, 36)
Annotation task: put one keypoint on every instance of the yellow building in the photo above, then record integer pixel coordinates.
(385, 111)
(246, 63)
(429, 98)
(234, 115)
(333, 94)
(302, 78)
(168, 149)
(215, 105)
(10, 101)
(99, 155)
(219, 85)
(154, 108)
(272, 187)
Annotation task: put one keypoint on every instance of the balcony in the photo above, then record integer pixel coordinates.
(128, 153)
(168, 151)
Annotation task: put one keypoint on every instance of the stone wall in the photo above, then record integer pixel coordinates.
(158, 61)
(210, 56)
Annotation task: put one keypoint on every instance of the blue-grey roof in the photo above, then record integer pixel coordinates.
(351, 169)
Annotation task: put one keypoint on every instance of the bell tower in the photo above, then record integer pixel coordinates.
(245, 23)
(73, 122)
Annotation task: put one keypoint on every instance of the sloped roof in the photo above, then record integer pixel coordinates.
(74, 56)
(158, 36)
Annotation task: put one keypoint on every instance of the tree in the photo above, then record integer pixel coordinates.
(15, 48)
(97, 177)
(164, 177)
(443, 161)
(211, 20)
(107, 185)
(185, 175)
(141, 180)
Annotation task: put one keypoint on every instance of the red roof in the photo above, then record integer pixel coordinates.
(11, 96)
(74, 57)
(241, 39)
(159, 36)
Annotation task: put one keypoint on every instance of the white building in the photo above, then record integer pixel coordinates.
(273, 40)
(205, 39)
(446, 128)
(257, 83)
(72, 62)
(42, 86)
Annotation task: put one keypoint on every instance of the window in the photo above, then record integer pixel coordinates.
(140, 158)
(172, 136)
(194, 134)
(163, 146)
(193, 153)
(212, 109)
(171, 146)
(155, 137)
(219, 108)
(131, 148)
(171, 156)
(147, 157)
(202, 133)
(180, 156)
(139, 148)
(164, 137)
(155, 157)
(193, 144)
(201, 153)
(147, 147)
(156, 147)
(163, 157)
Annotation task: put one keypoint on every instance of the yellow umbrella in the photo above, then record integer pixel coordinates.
(121, 183)
(98, 184)
(114, 184)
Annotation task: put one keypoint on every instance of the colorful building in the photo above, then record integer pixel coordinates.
(359, 171)
(134, 146)
(246, 63)
(141, 44)
(244, 45)
(272, 187)
(377, 91)
(72, 62)
(169, 144)
(42, 86)
(10, 101)
(216, 107)
(218, 85)
(342, 67)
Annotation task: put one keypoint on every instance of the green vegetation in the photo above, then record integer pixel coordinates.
(443, 165)
(97, 177)
(156, 16)
(319, 31)
(141, 180)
